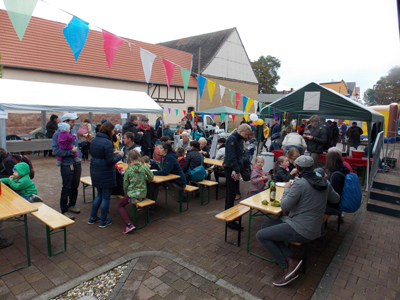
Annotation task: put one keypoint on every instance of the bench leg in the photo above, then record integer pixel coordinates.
(202, 195)
(49, 232)
(305, 254)
(146, 217)
(180, 201)
(83, 188)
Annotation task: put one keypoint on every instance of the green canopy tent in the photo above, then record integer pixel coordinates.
(314, 99)
(222, 110)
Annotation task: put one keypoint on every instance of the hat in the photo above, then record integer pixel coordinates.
(69, 116)
(63, 126)
(304, 161)
(320, 172)
(103, 121)
(145, 119)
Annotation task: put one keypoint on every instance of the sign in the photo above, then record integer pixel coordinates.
(311, 100)
(3, 114)
(124, 116)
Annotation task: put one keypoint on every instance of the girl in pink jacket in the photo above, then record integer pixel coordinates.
(258, 176)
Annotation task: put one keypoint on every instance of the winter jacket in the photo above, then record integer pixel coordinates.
(168, 133)
(220, 153)
(68, 155)
(337, 180)
(188, 125)
(317, 144)
(206, 149)
(126, 150)
(131, 127)
(193, 160)
(23, 186)
(65, 140)
(135, 180)
(275, 128)
(51, 128)
(306, 201)
(334, 134)
(181, 160)
(148, 139)
(182, 144)
(282, 175)
(294, 139)
(170, 165)
(266, 132)
(354, 133)
(102, 169)
(234, 152)
(257, 184)
(197, 134)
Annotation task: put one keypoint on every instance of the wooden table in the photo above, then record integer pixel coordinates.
(32, 145)
(12, 205)
(215, 162)
(254, 202)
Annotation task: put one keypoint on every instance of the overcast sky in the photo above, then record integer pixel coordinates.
(315, 40)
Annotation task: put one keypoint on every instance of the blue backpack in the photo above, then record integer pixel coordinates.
(350, 201)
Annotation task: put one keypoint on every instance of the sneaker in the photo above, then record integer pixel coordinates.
(282, 281)
(69, 215)
(294, 265)
(35, 198)
(74, 209)
(105, 223)
(129, 228)
(93, 220)
(4, 243)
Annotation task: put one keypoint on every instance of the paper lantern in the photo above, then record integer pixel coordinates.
(260, 122)
(253, 117)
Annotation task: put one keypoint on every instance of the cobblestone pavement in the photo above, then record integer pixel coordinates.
(197, 238)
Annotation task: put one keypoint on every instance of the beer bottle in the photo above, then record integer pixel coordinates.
(272, 194)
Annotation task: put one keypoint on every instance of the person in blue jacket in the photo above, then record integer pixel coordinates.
(197, 133)
(170, 165)
(102, 172)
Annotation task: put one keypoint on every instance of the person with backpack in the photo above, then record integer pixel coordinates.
(8, 161)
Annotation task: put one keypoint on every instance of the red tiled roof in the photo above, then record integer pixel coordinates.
(44, 47)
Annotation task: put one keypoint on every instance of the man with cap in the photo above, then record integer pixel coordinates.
(305, 200)
(70, 169)
(148, 137)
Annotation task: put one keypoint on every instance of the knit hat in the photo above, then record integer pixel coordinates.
(103, 121)
(69, 116)
(63, 126)
(304, 161)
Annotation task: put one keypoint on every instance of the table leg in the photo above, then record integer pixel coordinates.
(28, 252)
(249, 231)
(363, 178)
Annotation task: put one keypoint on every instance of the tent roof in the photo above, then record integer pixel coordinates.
(222, 110)
(42, 96)
(332, 105)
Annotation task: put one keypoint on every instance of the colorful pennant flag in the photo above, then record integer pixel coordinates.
(169, 70)
(249, 104)
(176, 111)
(184, 112)
(246, 117)
(232, 93)
(244, 102)
(192, 112)
(20, 13)
(269, 110)
(76, 33)
(147, 62)
(111, 46)
(256, 106)
(212, 115)
(201, 83)
(169, 110)
(202, 116)
(211, 89)
(237, 99)
(233, 118)
(221, 91)
(185, 78)
(260, 105)
(222, 117)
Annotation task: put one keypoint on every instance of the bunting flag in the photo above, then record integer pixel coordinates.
(232, 93)
(260, 105)
(269, 110)
(147, 63)
(176, 111)
(246, 117)
(256, 106)
(212, 115)
(169, 70)
(197, 119)
(233, 118)
(185, 78)
(169, 111)
(184, 112)
(211, 89)
(245, 98)
(20, 13)
(76, 33)
(192, 112)
(221, 91)
(202, 116)
(222, 117)
(111, 46)
(201, 82)
(249, 104)
(237, 99)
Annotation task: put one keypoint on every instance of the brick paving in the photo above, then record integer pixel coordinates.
(371, 266)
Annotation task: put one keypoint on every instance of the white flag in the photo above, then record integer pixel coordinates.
(255, 106)
(222, 91)
(147, 62)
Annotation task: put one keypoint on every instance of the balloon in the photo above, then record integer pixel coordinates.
(164, 115)
(294, 127)
(255, 122)
(260, 122)
(253, 117)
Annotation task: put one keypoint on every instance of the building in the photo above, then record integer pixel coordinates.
(348, 89)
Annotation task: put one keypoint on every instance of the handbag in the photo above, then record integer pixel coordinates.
(198, 173)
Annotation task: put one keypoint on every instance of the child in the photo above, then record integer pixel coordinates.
(258, 176)
(135, 185)
(21, 183)
(281, 170)
(65, 140)
(146, 160)
(181, 156)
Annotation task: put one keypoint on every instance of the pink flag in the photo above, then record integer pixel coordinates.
(237, 99)
(169, 70)
(111, 46)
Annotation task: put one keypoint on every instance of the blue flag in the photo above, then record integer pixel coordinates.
(244, 102)
(76, 33)
(202, 82)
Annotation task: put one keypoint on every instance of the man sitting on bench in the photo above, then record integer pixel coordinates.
(305, 200)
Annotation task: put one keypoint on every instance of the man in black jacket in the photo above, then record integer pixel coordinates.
(193, 159)
(148, 137)
(354, 133)
(317, 139)
(131, 126)
(232, 163)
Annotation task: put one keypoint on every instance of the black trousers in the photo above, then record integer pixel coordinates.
(232, 187)
(71, 176)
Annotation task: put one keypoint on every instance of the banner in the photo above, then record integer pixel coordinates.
(211, 89)
(201, 82)
(185, 78)
(233, 118)
(76, 33)
(169, 70)
(147, 63)
(221, 91)
(244, 102)
(249, 104)
(20, 13)
(169, 110)
(232, 93)
(256, 106)
(237, 99)
(176, 111)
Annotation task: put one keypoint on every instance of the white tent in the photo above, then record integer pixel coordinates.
(42, 96)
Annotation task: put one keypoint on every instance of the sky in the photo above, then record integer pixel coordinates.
(315, 40)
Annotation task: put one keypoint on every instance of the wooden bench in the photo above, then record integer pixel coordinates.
(230, 215)
(145, 204)
(188, 189)
(305, 251)
(207, 184)
(86, 182)
(53, 221)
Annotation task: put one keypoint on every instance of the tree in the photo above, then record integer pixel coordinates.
(386, 90)
(266, 70)
(369, 97)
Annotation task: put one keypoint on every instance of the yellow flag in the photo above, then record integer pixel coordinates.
(246, 117)
(211, 88)
(192, 113)
(249, 104)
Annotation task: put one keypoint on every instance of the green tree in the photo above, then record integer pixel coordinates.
(369, 97)
(266, 70)
(387, 89)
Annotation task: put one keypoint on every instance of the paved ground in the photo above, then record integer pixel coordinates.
(197, 238)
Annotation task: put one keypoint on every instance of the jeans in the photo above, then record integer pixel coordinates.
(71, 176)
(102, 198)
(272, 237)
(232, 187)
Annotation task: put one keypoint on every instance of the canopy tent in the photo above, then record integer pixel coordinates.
(42, 96)
(222, 110)
(314, 99)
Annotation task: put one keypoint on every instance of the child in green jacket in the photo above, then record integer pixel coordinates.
(21, 183)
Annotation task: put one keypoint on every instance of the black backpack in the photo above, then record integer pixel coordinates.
(245, 168)
(21, 158)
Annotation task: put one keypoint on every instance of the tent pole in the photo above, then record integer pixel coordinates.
(369, 128)
(43, 121)
(91, 117)
(3, 133)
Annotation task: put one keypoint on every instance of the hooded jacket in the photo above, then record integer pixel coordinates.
(320, 138)
(337, 180)
(23, 186)
(170, 165)
(135, 180)
(148, 138)
(282, 175)
(306, 202)
(131, 127)
(193, 160)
